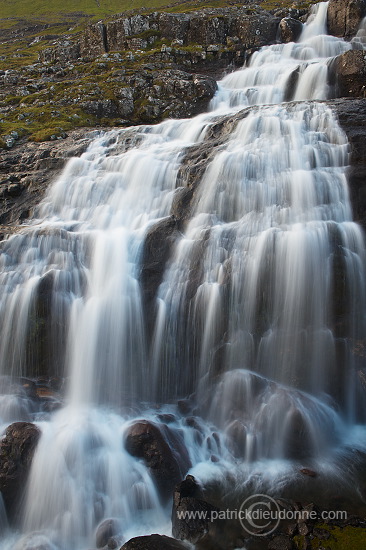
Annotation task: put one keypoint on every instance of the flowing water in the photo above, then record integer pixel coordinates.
(257, 319)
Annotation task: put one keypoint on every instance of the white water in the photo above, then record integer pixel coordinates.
(247, 313)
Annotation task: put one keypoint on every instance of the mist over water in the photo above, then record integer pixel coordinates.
(256, 320)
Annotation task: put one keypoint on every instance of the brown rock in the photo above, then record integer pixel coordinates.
(344, 17)
(154, 542)
(350, 69)
(162, 450)
(290, 29)
(16, 453)
(202, 529)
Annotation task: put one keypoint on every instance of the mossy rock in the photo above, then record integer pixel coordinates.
(340, 538)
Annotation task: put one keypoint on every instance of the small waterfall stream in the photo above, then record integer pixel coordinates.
(256, 319)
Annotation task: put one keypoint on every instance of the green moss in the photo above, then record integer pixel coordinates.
(340, 538)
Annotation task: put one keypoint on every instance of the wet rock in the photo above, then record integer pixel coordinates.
(344, 17)
(166, 418)
(205, 530)
(156, 251)
(290, 29)
(189, 487)
(154, 542)
(350, 69)
(351, 116)
(108, 529)
(32, 167)
(16, 453)
(297, 440)
(308, 472)
(162, 450)
(236, 433)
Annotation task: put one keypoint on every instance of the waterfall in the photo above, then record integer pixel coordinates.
(255, 319)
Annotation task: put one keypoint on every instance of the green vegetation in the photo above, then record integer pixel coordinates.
(50, 109)
(54, 11)
(339, 539)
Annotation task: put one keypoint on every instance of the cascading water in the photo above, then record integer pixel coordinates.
(256, 318)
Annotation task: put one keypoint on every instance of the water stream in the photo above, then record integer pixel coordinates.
(259, 312)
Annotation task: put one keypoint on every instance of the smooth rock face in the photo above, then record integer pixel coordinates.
(154, 542)
(16, 452)
(163, 452)
(344, 17)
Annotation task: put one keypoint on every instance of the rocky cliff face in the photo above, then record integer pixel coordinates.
(248, 27)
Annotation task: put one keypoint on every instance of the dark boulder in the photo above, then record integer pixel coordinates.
(154, 542)
(344, 17)
(350, 70)
(163, 451)
(290, 29)
(16, 453)
(202, 528)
